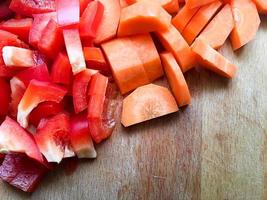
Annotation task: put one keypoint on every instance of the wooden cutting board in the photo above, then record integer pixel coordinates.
(216, 149)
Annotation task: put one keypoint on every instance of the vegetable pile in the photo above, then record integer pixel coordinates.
(59, 60)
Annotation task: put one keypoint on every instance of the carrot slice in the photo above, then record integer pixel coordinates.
(183, 17)
(147, 102)
(217, 31)
(200, 20)
(176, 79)
(173, 41)
(197, 3)
(213, 60)
(143, 17)
(148, 54)
(261, 6)
(127, 68)
(247, 22)
(110, 21)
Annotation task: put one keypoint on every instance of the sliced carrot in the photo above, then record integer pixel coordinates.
(147, 102)
(200, 20)
(197, 3)
(173, 41)
(143, 17)
(213, 60)
(261, 6)
(217, 31)
(176, 79)
(183, 17)
(148, 54)
(126, 66)
(110, 21)
(247, 22)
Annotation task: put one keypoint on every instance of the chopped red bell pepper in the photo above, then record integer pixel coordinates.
(30, 7)
(22, 172)
(20, 27)
(38, 92)
(90, 20)
(83, 5)
(17, 90)
(13, 138)
(68, 12)
(51, 42)
(74, 50)
(45, 110)
(80, 88)
(61, 70)
(40, 21)
(53, 137)
(5, 12)
(5, 97)
(80, 137)
(95, 59)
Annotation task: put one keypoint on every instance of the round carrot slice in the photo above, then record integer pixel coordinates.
(147, 102)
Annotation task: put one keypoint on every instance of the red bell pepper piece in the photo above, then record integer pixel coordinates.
(53, 137)
(95, 59)
(74, 50)
(22, 172)
(51, 42)
(5, 12)
(37, 92)
(40, 21)
(5, 97)
(20, 27)
(80, 88)
(17, 90)
(30, 7)
(45, 110)
(100, 128)
(90, 20)
(61, 70)
(80, 137)
(83, 5)
(13, 138)
(68, 12)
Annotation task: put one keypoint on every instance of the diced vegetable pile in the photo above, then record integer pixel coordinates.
(60, 61)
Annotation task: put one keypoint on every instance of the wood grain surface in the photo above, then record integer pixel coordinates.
(216, 149)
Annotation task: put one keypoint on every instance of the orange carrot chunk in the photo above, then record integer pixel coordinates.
(147, 102)
(183, 17)
(143, 17)
(247, 22)
(217, 31)
(110, 21)
(173, 41)
(176, 79)
(126, 66)
(148, 54)
(213, 60)
(197, 3)
(261, 6)
(200, 20)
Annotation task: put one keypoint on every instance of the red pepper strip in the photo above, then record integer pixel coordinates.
(61, 70)
(79, 89)
(80, 137)
(13, 138)
(22, 172)
(68, 12)
(90, 20)
(45, 110)
(30, 7)
(51, 42)
(37, 92)
(20, 27)
(5, 12)
(95, 59)
(74, 50)
(17, 90)
(40, 21)
(5, 95)
(83, 5)
(53, 137)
